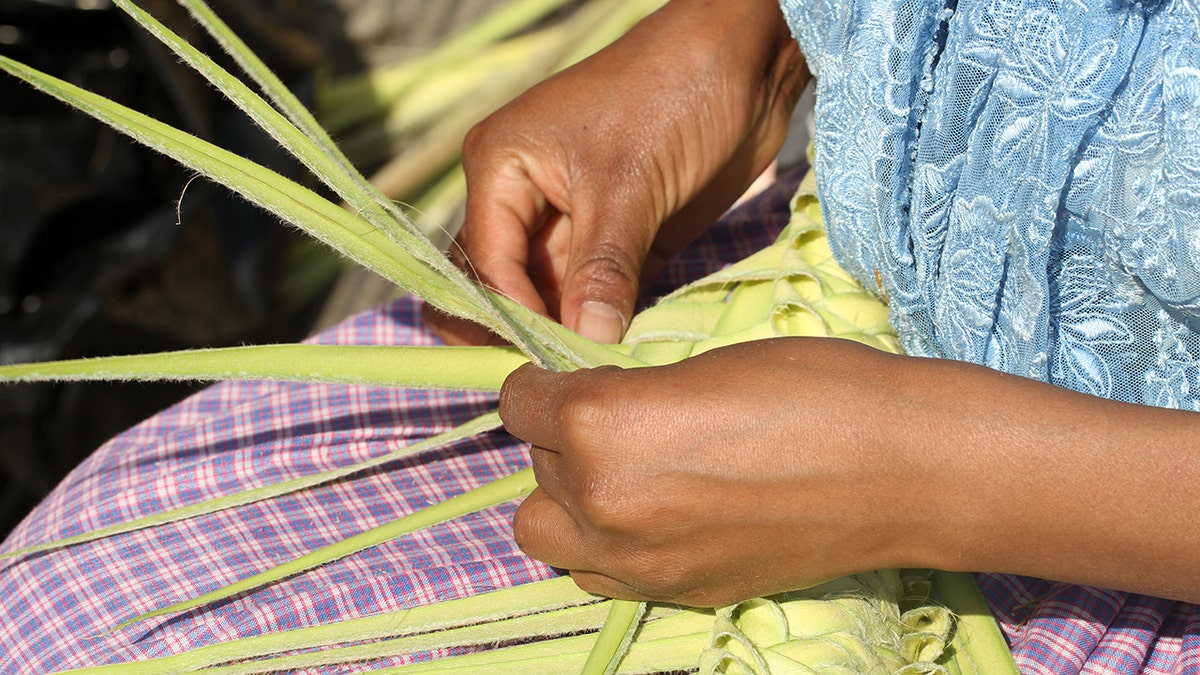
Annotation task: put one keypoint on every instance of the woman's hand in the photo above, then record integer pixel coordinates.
(584, 185)
(745, 471)
(779, 464)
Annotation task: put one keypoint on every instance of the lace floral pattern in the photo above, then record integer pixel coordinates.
(1022, 179)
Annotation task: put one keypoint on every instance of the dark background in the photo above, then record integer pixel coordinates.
(98, 252)
(108, 248)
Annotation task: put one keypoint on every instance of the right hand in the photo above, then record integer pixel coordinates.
(583, 186)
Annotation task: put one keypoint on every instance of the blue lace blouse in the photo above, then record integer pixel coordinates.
(1020, 179)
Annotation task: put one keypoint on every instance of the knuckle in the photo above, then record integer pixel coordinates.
(513, 391)
(621, 510)
(607, 266)
(590, 413)
(608, 507)
(486, 145)
(598, 424)
(524, 529)
(533, 532)
(476, 139)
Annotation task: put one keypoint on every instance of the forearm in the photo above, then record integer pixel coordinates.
(1031, 479)
(672, 487)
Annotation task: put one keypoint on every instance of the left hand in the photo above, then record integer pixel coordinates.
(779, 464)
(749, 470)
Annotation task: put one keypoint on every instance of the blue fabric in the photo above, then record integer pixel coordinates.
(1021, 179)
(58, 608)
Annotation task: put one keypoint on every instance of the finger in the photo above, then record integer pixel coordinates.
(546, 532)
(613, 251)
(505, 208)
(455, 331)
(575, 414)
(529, 401)
(608, 587)
(549, 253)
(547, 471)
(601, 280)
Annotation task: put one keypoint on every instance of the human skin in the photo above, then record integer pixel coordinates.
(591, 180)
(698, 482)
(660, 484)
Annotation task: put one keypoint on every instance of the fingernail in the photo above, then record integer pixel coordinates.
(600, 322)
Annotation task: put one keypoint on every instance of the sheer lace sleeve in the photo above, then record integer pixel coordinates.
(1021, 179)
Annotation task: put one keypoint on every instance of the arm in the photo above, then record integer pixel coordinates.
(585, 184)
(654, 485)
(659, 484)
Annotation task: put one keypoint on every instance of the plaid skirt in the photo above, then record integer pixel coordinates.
(57, 608)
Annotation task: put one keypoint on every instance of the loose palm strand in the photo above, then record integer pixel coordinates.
(792, 288)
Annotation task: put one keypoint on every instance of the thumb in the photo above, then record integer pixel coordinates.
(600, 288)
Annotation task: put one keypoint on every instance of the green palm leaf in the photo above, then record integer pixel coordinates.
(793, 287)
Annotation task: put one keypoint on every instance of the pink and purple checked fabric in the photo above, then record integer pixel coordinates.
(56, 608)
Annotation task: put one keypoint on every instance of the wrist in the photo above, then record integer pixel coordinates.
(747, 46)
